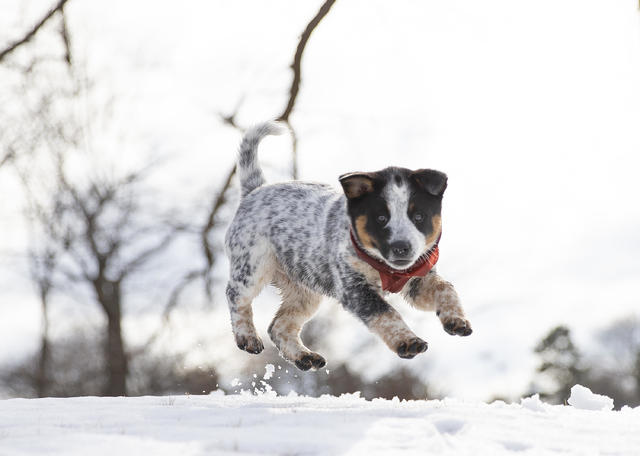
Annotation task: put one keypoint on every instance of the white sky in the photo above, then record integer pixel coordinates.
(531, 108)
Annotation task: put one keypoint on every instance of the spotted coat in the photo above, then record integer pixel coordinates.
(295, 235)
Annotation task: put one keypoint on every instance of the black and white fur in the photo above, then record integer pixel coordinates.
(295, 235)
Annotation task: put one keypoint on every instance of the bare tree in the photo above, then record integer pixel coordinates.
(104, 243)
(22, 142)
(42, 265)
(93, 231)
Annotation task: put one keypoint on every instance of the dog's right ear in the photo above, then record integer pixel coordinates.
(430, 180)
(357, 184)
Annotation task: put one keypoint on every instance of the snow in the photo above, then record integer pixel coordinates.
(582, 398)
(533, 403)
(265, 424)
(269, 370)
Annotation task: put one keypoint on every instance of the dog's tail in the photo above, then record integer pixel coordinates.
(249, 171)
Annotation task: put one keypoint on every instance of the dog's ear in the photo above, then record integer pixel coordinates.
(357, 184)
(430, 180)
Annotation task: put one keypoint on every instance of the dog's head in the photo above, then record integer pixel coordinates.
(395, 213)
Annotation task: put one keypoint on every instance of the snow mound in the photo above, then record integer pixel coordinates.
(533, 403)
(582, 398)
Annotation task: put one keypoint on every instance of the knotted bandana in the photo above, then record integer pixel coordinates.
(394, 279)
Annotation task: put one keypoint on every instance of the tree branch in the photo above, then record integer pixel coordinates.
(215, 207)
(31, 33)
(296, 66)
(64, 34)
(8, 156)
(297, 59)
(231, 120)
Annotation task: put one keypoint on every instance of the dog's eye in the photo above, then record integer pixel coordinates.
(418, 217)
(382, 219)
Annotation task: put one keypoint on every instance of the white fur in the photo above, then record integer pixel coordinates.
(401, 226)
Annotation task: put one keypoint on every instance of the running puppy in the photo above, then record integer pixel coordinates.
(380, 236)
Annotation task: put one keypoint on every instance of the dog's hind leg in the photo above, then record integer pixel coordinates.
(298, 306)
(249, 274)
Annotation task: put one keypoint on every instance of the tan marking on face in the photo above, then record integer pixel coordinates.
(363, 235)
(436, 224)
(391, 328)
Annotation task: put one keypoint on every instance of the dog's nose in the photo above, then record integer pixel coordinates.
(400, 249)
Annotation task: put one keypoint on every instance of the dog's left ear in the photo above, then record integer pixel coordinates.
(356, 185)
(430, 180)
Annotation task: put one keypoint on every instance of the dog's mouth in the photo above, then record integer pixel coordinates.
(400, 264)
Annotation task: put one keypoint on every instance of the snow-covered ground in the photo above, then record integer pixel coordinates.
(266, 424)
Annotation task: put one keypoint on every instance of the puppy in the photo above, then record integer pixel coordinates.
(381, 235)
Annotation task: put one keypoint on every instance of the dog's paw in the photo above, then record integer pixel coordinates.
(251, 344)
(456, 325)
(310, 361)
(411, 347)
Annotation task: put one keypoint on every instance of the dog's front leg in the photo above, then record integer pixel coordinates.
(432, 292)
(383, 320)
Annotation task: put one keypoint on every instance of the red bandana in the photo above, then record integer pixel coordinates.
(394, 279)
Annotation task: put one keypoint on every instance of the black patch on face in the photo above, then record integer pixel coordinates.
(370, 204)
(373, 207)
(427, 188)
(423, 207)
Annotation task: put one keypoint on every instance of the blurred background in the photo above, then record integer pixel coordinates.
(119, 125)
